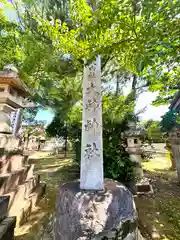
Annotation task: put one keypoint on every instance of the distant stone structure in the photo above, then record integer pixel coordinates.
(133, 136)
(20, 189)
(174, 136)
(12, 95)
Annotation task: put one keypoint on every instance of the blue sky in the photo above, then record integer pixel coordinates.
(144, 100)
(45, 115)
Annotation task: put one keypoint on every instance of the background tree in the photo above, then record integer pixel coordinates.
(153, 130)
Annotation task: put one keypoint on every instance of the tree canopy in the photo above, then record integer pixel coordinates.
(50, 40)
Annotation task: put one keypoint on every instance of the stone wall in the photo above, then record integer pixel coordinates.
(8, 142)
(18, 181)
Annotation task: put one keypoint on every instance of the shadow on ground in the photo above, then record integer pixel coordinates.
(54, 170)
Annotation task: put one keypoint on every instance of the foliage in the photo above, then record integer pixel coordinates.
(48, 74)
(170, 119)
(153, 131)
(34, 130)
(144, 34)
(117, 164)
(9, 49)
(28, 115)
(140, 37)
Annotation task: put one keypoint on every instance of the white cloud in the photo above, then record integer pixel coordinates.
(145, 100)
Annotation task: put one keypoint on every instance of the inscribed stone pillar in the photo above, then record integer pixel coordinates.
(16, 120)
(91, 150)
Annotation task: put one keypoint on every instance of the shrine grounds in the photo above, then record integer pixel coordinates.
(159, 214)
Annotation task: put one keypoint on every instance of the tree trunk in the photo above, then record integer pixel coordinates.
(117, 85)
(65, 146)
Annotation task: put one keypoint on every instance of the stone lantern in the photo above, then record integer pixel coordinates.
(133, 136)
(12, 95)
(20, 189)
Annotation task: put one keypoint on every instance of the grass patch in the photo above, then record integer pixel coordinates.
(159, 214)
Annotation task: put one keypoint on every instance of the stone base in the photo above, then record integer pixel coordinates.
(4, 201)
(20, 186)
(7, 228)
(85, 215)
(144, 187)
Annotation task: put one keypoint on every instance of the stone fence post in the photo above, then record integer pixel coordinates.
(175, 141)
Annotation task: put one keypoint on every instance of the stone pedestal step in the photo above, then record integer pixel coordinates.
(7, 228)
(22, 192)
(38, 193)
(11, 180)
(23, 211)
(4, 202)
(12, 163)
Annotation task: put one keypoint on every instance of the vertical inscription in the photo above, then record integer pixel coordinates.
(91, 150)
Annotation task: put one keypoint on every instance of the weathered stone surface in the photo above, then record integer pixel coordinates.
(22, 192)
(8, 142)
(11, 163)
(37, 194)
(7, 228)
(82, 215)
(24, 199)
(4, 201)
(91, 174)
(5, 123)
(9, 181)
(144, 187)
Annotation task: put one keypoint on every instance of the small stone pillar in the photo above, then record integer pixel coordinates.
(134, 135)
(175, 142)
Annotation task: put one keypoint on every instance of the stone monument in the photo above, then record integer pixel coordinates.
(133, 136)
(19, 187)
(94, 208)
(12, 93)
(91, 149)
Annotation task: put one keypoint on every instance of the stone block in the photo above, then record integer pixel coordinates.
(22, 201)
(30, 172)
(95, 215)
(25, 212)
(8, 141)
(21, 194)
(11, 163)
(37, 194)
(144, 187)
(11, 180)
(7, 228)
(4, 201)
